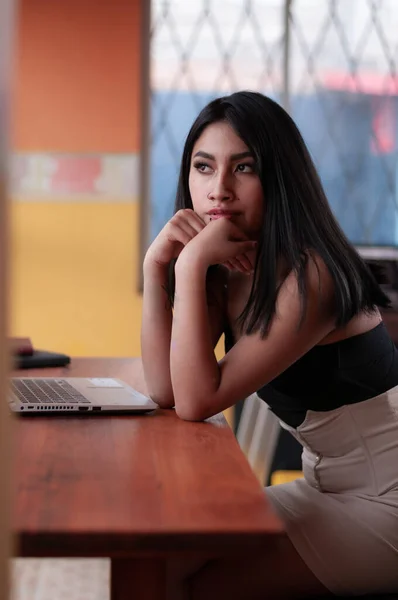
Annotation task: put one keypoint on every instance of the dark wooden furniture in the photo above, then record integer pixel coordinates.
(137, 489)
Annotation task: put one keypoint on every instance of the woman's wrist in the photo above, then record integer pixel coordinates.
(192, 262)
(154, 271)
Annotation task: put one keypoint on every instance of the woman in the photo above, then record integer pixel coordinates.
(262, 259)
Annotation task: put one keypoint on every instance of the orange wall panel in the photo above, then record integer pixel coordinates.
(77, 77)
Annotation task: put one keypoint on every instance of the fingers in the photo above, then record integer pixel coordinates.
(185, 225)
(228, 264)
(245, 262)
(238, 265)
(190, 218)
(245, 247)
(241, 263)
(178, 233)
(196, 222)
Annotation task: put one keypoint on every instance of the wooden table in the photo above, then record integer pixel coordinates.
(137, 489)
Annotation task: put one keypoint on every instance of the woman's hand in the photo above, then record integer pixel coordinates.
(220, 242)
(174, 236)
(181, 229)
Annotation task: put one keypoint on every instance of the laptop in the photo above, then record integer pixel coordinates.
(75, 395)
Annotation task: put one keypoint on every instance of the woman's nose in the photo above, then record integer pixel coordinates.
(221, 190)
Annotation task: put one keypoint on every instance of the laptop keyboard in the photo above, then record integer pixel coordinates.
(45, 391)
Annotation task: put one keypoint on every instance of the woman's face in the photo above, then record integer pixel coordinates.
(223, 179)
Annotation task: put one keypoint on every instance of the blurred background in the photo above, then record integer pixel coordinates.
(98, 131)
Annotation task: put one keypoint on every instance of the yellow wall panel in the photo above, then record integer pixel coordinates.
(74, 272)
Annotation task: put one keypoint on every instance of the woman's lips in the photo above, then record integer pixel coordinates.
(220, 214)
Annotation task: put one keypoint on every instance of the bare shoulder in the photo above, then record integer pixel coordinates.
(319, 288)
(361, 323)
(318, 277)
(318, 274)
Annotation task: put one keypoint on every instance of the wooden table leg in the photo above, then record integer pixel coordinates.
(138, 579)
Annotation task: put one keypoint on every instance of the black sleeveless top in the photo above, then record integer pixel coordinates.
(332, 375)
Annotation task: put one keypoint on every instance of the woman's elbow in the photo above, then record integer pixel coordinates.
(162, 400)
(190, 413)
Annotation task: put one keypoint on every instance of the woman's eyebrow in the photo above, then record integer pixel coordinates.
(204, 155)
(238, 156)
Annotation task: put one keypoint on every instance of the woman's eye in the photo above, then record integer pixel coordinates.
(202, 167)
(245, 168)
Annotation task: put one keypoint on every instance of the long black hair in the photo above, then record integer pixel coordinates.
(297, 220)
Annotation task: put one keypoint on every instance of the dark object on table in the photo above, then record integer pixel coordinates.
(41, 359)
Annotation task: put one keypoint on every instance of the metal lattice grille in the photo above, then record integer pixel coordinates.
(343, 92)
(344, 98)
(199, 51)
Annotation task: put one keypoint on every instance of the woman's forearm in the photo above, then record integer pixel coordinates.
(156, 335)
(195, 374)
